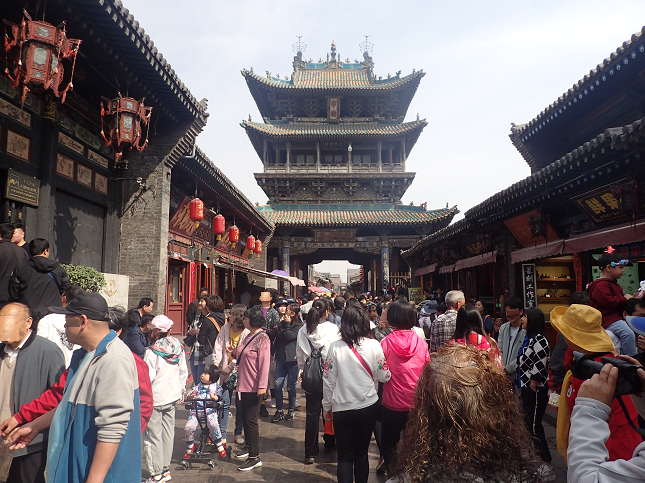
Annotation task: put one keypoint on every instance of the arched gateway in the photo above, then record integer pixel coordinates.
(333, 144)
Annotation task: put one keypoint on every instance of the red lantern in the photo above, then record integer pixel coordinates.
(233, 235)
(258, 247)
(196, 210)
(250, 243)
(40, 50)
(124, 119)
(219, 226)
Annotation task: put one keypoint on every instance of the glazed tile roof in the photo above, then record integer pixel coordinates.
(333, 78)
(396, 216)
(334, 130)
(594, 80)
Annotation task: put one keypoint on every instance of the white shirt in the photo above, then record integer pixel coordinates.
(13, 353)
(513, 333)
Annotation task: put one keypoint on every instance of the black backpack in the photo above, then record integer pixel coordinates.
(312, 372)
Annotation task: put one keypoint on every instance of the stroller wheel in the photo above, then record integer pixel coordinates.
(211, 464)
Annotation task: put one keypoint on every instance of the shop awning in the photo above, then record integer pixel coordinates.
(423, 270)
(550, 249)
(296, 282)
(490, 257)
(447, 269)
(617, 235)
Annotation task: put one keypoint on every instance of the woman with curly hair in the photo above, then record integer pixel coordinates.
(452, 434)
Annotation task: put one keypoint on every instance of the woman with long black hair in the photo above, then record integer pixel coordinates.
(353, 368)
(469, 330)
(317, 334)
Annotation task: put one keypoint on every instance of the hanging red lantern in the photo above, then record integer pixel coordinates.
(124, 117)
(258, 247)
(37, 62)
(219, 226)
(233, 235)
(196, 210)
(250, 243)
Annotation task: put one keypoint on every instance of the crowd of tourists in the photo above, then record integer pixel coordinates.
(447, 392)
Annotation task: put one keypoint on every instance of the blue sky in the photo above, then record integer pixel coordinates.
(488, 64)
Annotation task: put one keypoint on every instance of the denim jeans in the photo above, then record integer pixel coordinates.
(627, 339)
(288, 370)
(196, 371)
(224, 411)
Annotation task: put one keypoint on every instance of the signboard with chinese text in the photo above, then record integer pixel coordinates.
(521, 230)
(180, 222)
(528, 285)
(600, 205)
(415, 294)
(24, 189)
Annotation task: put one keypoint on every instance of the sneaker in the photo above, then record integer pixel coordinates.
(242, 454)
(547, 472)
(263, 411)
(239, 439)
(277, 417)
(221, 449)
(272, 404)
(297, 404)
(166, 476)
(290, 415)
(250, 463)
(310, 460)
(155, 479)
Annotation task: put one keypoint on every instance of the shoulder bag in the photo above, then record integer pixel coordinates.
(360, 359)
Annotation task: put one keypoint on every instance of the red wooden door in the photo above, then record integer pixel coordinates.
(176, 295)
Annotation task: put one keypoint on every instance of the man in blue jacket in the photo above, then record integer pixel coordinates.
(95, 432)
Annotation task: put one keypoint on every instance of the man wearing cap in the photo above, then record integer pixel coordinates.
(29, 365)
(95, 432)
(168, 374)
(581, 326)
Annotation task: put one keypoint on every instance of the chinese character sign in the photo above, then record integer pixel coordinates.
(385, 266)
(528, 283)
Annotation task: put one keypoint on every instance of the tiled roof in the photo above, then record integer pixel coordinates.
(456, 228)
(314, 130)
(568, 163)
(397, 216)
(333, 78)
(594, 80)
(142, 52)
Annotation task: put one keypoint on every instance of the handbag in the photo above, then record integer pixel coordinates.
(231, 381)
(360, 359)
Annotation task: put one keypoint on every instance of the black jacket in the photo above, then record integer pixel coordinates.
(286, 341)
(11, 256)
(207, 330)
(32, 285)
(136, 341)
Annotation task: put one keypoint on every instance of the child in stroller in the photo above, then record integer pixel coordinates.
(206, 389)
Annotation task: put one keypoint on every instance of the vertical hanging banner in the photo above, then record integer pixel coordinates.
(192, 282)
(528, 284)
(385, 267)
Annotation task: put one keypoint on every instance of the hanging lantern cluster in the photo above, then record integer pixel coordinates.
(233, 235)
(250, 243)
(196, 211)
(219, 226)
(258, 247)
(34, 51)
(124, 117)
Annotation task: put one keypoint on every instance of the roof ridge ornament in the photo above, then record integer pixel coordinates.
(367, 48)
(299, 47)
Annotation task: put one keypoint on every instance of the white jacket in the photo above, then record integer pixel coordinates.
(168, 380)
(587, 454)
(323, 336)
(52, 327)
(346, 383)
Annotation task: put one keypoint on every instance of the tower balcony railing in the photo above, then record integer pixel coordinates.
(336, 168)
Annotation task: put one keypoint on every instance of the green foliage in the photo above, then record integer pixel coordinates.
(90, 279)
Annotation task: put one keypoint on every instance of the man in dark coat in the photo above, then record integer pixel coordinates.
(39, 282)
(11, 256)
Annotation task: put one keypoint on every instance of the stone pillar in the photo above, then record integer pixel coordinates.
(285, 266)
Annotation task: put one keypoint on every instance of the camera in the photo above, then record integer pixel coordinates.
(629, 382)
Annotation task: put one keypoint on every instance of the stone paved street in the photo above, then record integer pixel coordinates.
(282, 453)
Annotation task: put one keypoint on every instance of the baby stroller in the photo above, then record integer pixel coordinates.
(198, 455)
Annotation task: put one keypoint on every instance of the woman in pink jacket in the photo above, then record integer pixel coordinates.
(406, 354)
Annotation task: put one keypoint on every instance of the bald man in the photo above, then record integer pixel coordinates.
(30, 364)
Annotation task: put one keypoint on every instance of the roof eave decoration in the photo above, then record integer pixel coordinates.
(144, 49)
(585, 86)
(334, 130)
(614, 138)
(450, 231)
